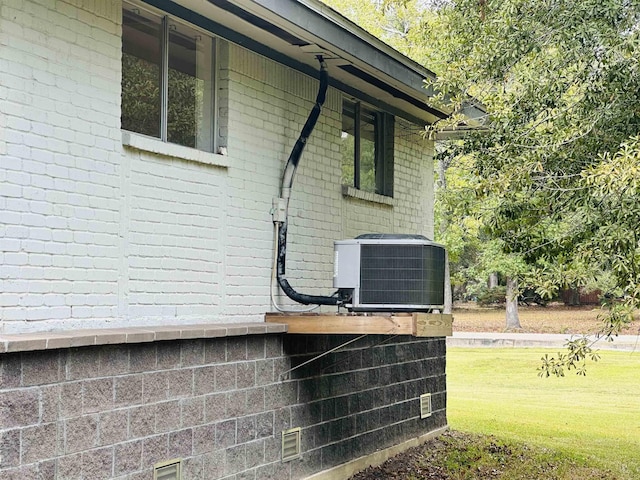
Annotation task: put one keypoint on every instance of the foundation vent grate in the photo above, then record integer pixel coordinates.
(425, 405)
(291, 444)
(170, 470)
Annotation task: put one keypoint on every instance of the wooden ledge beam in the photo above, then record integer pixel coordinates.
(416, 324)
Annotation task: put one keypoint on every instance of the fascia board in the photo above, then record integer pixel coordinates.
(339, 35)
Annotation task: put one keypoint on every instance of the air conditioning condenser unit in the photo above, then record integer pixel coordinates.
(389, 272)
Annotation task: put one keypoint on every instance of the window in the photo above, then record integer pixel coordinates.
(367, 149)
(167, 79)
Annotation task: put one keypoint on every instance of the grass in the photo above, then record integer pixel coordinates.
(463, 456)
(510, 424)
(595, 419)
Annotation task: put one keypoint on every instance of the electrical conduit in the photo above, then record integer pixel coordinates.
(281, 205)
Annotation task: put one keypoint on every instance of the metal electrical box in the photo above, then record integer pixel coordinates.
(389, 272)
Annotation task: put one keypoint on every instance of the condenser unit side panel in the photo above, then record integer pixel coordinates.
(346, 267)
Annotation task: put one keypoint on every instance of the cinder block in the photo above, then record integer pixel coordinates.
(235, 459)
(19, 408)
(127, 457)
(226, 376)
(215, 407)
(155, 449)
(204, 438)
(247, 429)
(114, 360)
(192, 411)
(204, 379)
(154, 387)
(255, 400)
(81, 363)
(246, 374)
(97, 395)
(181, 443)
(98, 463)
(10, 448)
(142, 421)
(128, 390)
(70, 466)
(113, 427)
(80, 433)
(167, 416)
(181, 383)
(143, 358)
(226, 433)
(214, 464)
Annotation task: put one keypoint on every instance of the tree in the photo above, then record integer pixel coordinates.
(474, 255)
(513, 320)
(560, 81)
(403, 24)
(141, 101)
(398, 23)
(560, 157)
(455, 218)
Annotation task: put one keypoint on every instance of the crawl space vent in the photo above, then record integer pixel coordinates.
(425, 405)
(170, 470)
(291, 444)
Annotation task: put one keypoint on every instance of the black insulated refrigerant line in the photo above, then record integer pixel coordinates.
(281, 215)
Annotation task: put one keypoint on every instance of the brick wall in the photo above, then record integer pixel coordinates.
(97, 234)
(60, 152)
(220, 404)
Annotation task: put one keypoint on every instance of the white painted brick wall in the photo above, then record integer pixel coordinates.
(59, 159)
(96, 234)
(413, 180)
(175, 256)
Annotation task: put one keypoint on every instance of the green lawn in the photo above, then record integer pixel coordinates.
(597, 417)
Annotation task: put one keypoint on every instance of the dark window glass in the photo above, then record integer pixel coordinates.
(186, 82)
(141, 71)
(367, 149)
(190, 113)
(348, 144)
(368, 132)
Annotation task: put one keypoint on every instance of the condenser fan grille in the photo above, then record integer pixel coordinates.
(401, 274)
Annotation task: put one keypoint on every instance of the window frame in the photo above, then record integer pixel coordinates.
(166, 20)
(384, 126)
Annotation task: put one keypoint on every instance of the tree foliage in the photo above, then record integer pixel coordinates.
(560, 157)
(552, 184)
(141, 109)
(399, 23)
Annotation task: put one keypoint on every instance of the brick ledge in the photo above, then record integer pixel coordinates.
(25, 342)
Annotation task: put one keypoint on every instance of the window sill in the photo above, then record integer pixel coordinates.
(153, 145)
(349, 191)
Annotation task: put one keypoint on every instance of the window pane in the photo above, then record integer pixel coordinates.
(141, 57)
(367, 151)
(190, 112)
(347, 144)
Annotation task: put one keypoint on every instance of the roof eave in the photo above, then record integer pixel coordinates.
(337, 35)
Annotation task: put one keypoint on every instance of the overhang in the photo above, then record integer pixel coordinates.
(294, 32)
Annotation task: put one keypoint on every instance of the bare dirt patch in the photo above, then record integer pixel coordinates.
(554, 318)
